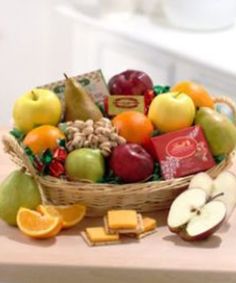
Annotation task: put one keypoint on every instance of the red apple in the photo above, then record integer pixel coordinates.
(130, 82)
(131, 163)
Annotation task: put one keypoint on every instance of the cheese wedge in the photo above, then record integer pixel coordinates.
(149, 227)
(149, 224)
(122, 219)
(99, 235)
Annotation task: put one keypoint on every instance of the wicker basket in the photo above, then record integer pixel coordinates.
(144, 197)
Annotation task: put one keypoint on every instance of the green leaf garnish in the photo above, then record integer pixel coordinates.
(159, 89)
(17, 134)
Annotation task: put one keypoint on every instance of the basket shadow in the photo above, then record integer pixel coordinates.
(85, 223)
(23, 239)
(160, 216)
(14, 234)
(210, 243)
(225, 228)
(42, 243)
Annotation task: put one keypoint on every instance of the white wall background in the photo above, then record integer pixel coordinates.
(38, 44)
(35, 48)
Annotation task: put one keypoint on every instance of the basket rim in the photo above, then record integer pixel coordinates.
(143, 182)
(7, 138)
(169, 181)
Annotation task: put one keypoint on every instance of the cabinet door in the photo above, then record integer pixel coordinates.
(115, 55)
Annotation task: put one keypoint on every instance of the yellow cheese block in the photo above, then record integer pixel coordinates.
(122, 219)
(98, 234)
(149, 224)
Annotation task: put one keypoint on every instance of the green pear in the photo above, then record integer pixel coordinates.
(85, 164)
(78, 103)
(17, 190)
(219, 131)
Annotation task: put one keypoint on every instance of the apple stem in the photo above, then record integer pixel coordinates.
(65, 75)
(216, 196)
(23, 169)
(180, 92)
(34, 95)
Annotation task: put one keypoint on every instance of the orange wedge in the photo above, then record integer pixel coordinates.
(70, 214)
(36, 225)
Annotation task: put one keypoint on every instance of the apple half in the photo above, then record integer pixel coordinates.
(224, 185)
(204, 181)
(195, 216)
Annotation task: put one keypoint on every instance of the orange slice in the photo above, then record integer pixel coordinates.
(36, 225)
(70, 214)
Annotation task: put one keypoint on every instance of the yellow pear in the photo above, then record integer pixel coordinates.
(220, 131)
(78, 103)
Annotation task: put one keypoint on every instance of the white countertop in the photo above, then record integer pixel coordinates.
(213, 49)
(161, 257)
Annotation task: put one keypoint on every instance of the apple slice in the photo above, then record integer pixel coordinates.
(184, 208)
(206, 221)
(226, 183)
(195, 216)
(203, 181)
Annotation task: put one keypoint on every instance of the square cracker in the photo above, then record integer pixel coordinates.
(102, 232)
(144, 234)
(149, 225)
(122, 219)
(139, 228)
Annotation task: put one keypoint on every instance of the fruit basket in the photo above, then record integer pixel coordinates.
(143, 196)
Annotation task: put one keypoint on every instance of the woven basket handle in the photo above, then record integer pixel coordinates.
(226, 100)
(18, 156)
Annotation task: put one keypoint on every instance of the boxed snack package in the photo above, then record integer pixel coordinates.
(182, 152)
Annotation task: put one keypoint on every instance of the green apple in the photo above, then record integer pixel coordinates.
(35, 108)
(85, 164)
(172, 111)
(220, 132)
(17, 190)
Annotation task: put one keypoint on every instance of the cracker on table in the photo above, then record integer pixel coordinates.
(94, 244)
(137, 230)
(150, 227)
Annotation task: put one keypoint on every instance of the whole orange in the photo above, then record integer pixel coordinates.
(134, 126)
(42, 138)
(197, 92)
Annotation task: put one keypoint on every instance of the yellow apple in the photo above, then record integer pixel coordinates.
(172, 111)
(36, 107)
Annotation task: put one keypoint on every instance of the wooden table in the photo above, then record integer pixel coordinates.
(161, 257)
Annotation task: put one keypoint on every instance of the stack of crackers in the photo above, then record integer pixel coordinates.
(118, 226)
